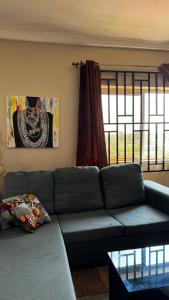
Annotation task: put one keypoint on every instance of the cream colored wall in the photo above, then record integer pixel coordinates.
(46, 70)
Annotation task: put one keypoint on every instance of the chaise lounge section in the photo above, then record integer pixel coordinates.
(34, 266)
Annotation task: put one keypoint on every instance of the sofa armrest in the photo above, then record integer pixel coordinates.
(157, 195)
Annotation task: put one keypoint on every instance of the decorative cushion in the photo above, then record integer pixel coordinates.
(77, 189)
(29, 212)
(122, 185)
(6, 219)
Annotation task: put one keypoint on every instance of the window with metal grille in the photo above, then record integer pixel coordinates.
(136, 118)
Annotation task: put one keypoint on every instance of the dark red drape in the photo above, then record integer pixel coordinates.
(164, 69)
(91, 147)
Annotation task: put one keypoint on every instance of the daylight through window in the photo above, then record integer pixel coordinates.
(136, 118)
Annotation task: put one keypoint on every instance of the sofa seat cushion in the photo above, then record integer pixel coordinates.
(87, 226)
(34, 266)
(140, 219)
(39, 183)
(122, 185)
(77, 189)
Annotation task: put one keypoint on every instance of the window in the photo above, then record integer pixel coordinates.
(136, 118)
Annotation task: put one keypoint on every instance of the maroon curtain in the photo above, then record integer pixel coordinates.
(91, 147)
(164, 69)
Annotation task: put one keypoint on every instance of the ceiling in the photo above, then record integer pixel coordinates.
(113, 23)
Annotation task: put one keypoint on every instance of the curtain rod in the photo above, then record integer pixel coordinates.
(78, 64)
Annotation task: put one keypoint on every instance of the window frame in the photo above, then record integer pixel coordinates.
(106, 76)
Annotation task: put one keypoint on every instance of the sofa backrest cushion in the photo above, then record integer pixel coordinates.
(77, 189)
(122, 185)
(39, 183)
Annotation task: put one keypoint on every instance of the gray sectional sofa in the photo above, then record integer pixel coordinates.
(92, 212)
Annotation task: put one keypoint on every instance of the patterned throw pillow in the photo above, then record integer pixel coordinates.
(6, 220)
(28, 211)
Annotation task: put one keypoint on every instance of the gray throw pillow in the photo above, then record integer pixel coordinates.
(6, 219)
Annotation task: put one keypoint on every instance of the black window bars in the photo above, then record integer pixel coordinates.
(136, 118)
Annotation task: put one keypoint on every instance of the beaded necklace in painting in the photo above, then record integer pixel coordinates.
(33, 130)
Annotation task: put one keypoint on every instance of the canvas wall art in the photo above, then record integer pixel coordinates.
(32, 122)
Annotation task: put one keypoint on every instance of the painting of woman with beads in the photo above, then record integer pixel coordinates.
(32, 122)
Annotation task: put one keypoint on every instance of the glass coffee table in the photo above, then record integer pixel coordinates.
(139, 273)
